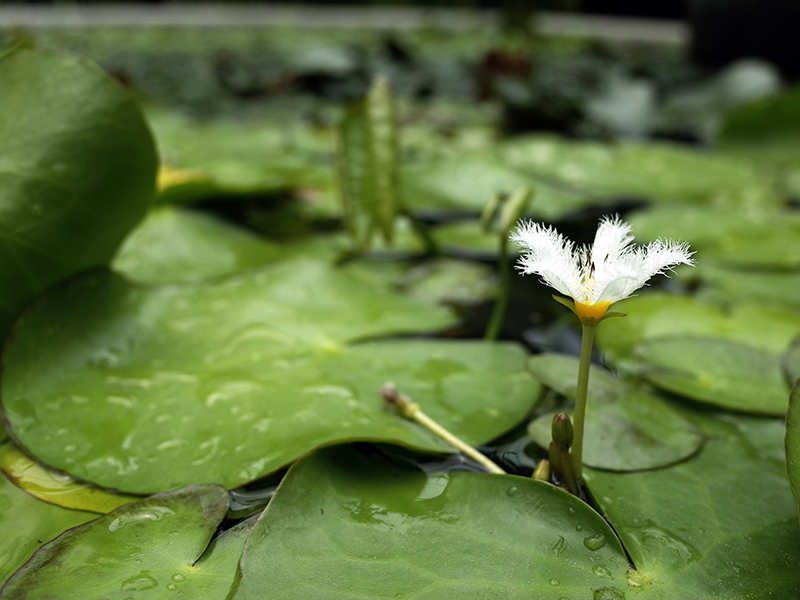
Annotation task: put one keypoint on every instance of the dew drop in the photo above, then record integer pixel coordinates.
(139, 582)
(172, 587)
(555, 582)
(571, 511)
(177, 578)
(601, 571)
(578, 527)
(512, 490)
(595, 542)
(151, 513)
(608, 594)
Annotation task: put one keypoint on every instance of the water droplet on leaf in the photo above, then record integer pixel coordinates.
(608, 594)
(139, 582)
(512, 490)
(601, 571)
(595, 542)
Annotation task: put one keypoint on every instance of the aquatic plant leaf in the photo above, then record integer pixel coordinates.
(227, 157)
(653, 316)
(627, 428)
(348, 522)
(758, 239)
(662, 173)
(723, 285)
(719, 372)
(149, 389)
(77, 173)
(175, 245)
(367, 165)
(721, 525)
(27, 523)
(792, 442)
(56, 488)
(150, 549)
(765, 129)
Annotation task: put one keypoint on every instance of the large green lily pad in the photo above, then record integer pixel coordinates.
(77, 172)
(719, 372)
(627, 428)
(756, 239)
(793, 442)
(657, 315)
(148, 389)
(659, 172)
(723, 285)
(27, 523)
(720, 526)
(174, 245)
(349, 524)
(150, 549)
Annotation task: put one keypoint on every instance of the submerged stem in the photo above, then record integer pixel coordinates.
(411, 411)
(579, 416)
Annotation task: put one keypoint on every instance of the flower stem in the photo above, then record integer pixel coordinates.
(579, 416)
(501, 305)
(411, 411)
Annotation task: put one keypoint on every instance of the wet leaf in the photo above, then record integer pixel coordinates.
(149, 549)
(719, 372)
(149, 389)
(793, 443)
(27, 523)
(174, 245)
(722, 525)
(763, 239)
(77, 173)
(345, 523)
(662, 173)
(653, 316)
(56, 488)
(244, 157)
(627, 428)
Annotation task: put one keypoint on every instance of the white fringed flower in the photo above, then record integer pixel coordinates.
(595, 276)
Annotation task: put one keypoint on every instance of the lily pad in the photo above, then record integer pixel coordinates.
(656, 315)
(149, 549)
(723, 285)
(149, 389)
(746, 239)
(228, 157)
(27, 523)
(766, 129)
(665, 173)
(174, 245)
(56, 488)
(722, 525)
(347, 524)
(793, 443)
(77, 173)
(627, 428)
(719, 372)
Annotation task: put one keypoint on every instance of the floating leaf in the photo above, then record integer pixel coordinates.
(77, 173)
(53, 487)
(656, 315)
(659, 172)
(722, 525)
(745, 239)
(149, 389)
(793, 443)
(766, 129)
(27, 523)
(718, 372)
(151, 549)
(176, 245)
(627, 428)
(723, 285)
(349, 524)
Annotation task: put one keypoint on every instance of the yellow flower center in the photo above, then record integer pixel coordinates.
(594, 311)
